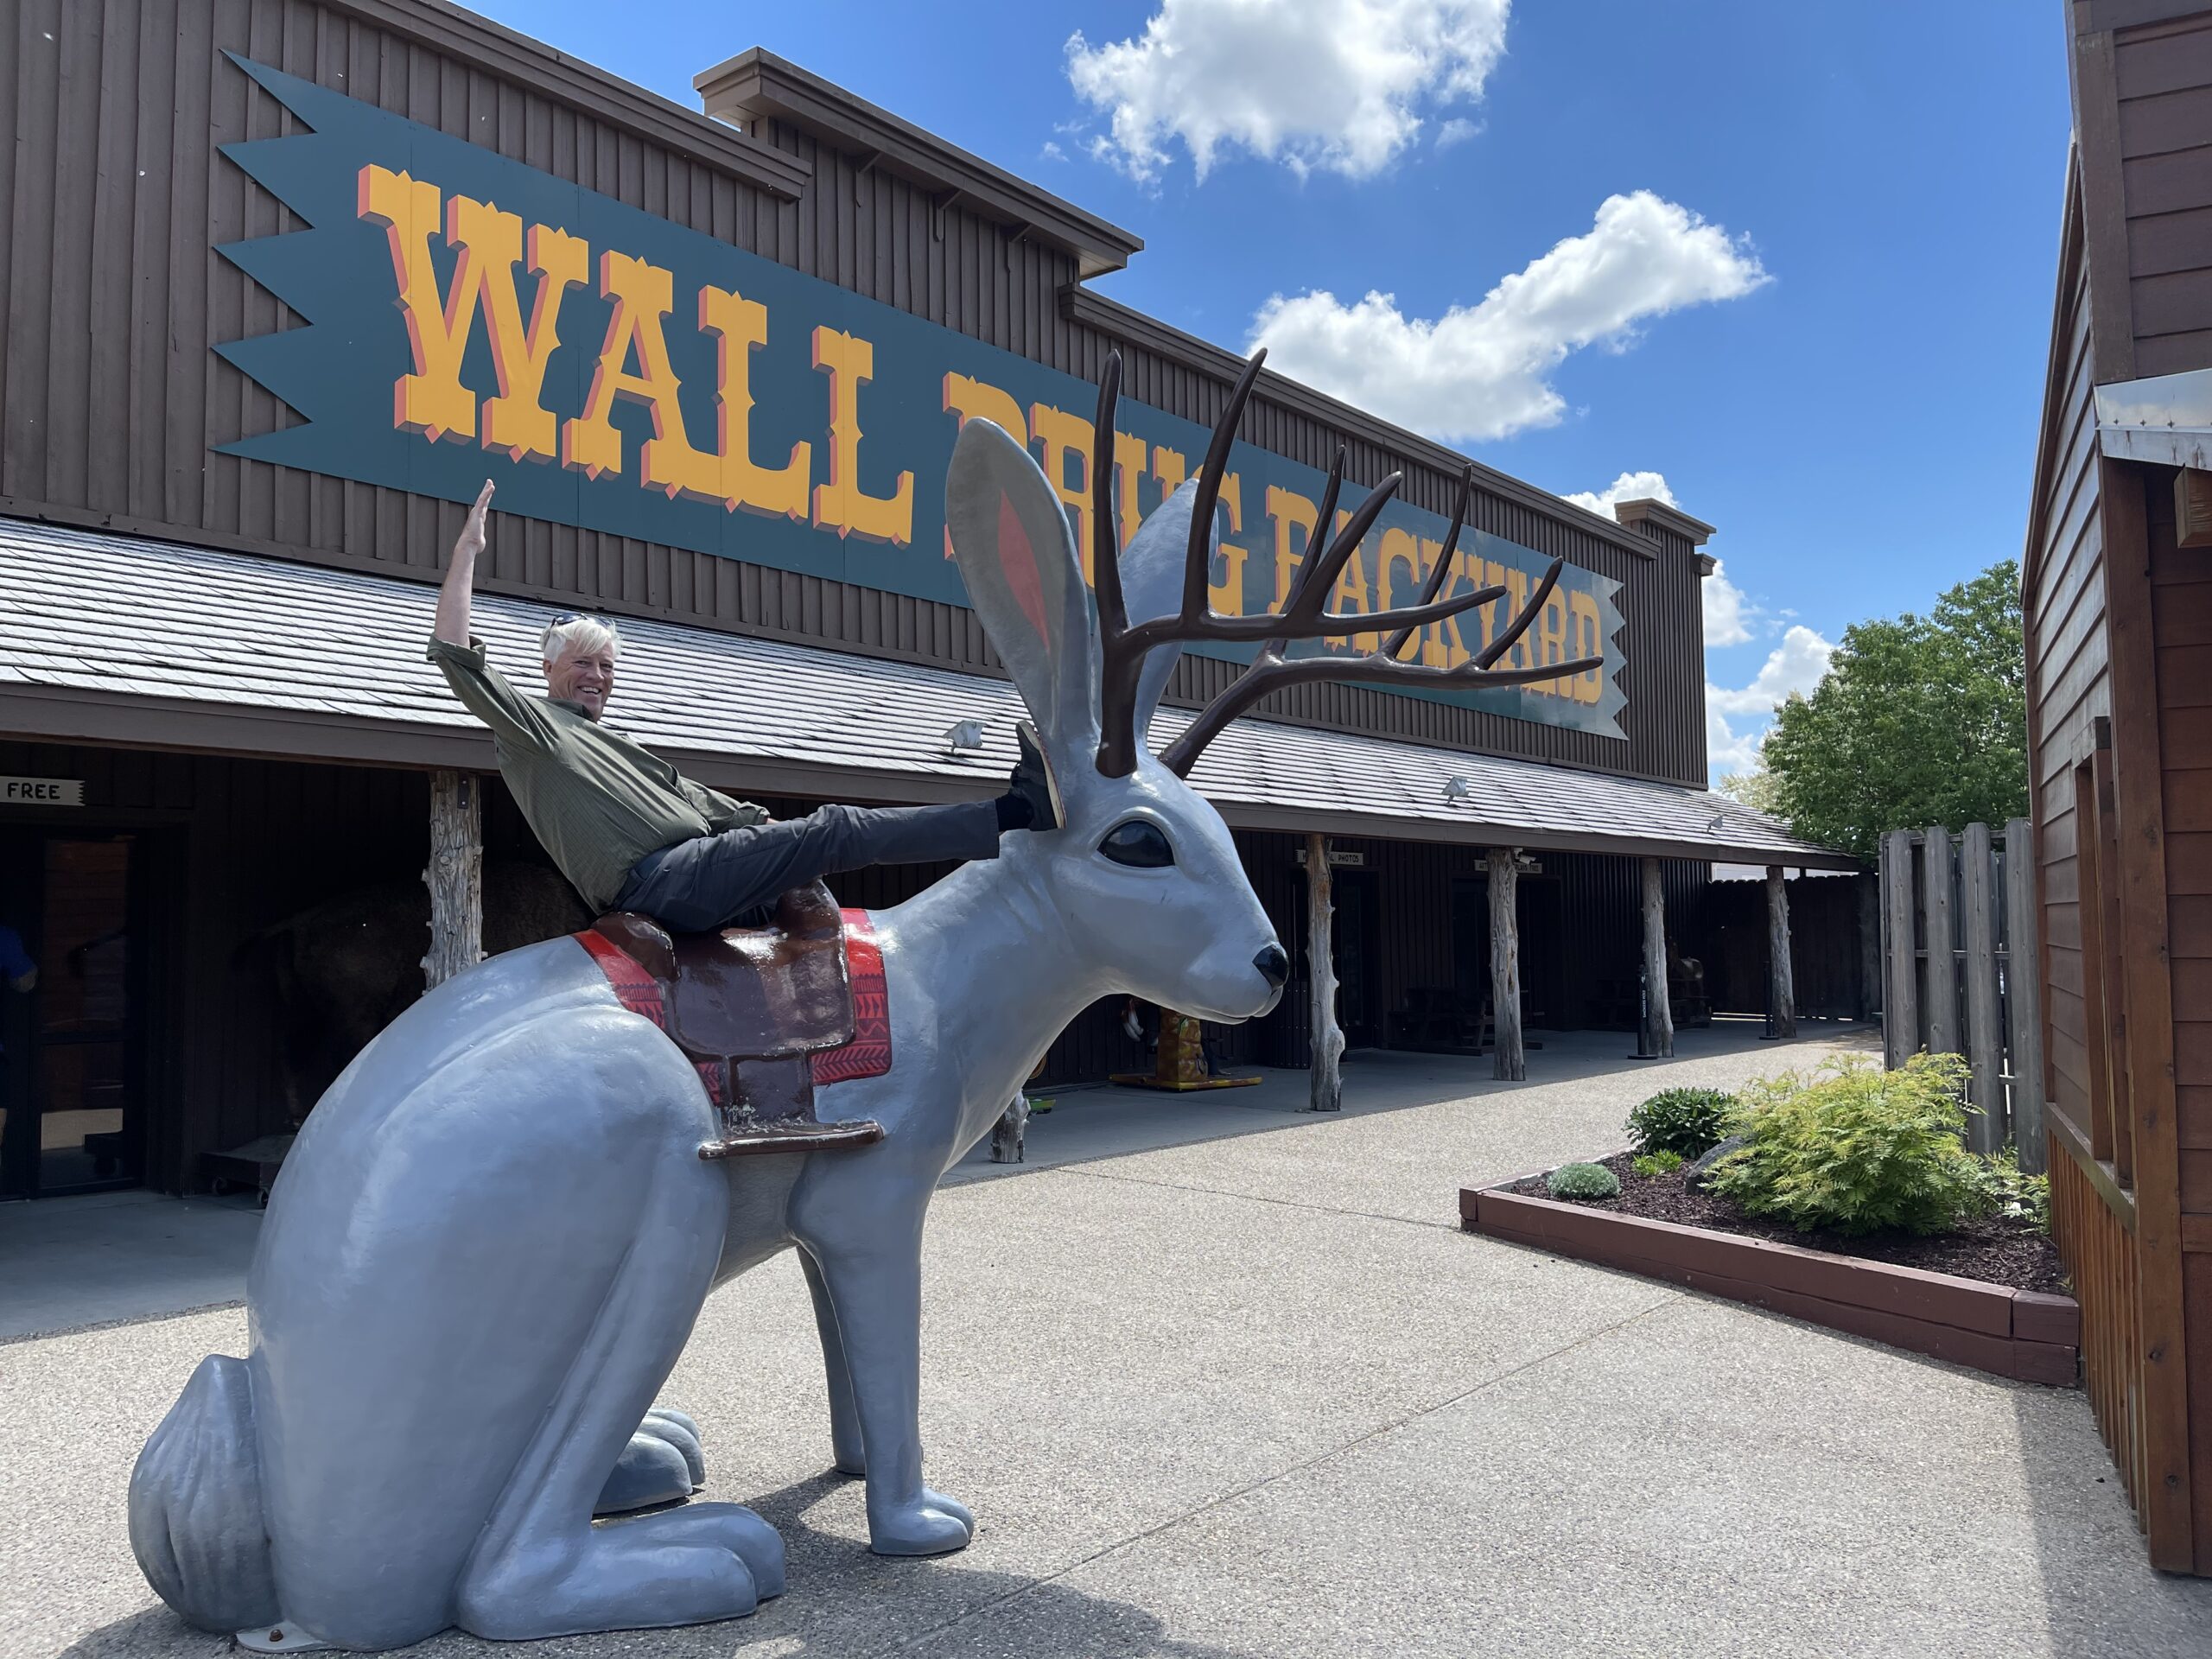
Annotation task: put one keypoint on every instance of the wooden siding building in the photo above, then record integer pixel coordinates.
(2117, 590)
(176, 344)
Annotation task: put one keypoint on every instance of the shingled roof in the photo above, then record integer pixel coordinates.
(112, 638)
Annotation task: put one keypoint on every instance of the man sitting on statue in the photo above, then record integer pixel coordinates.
(631, 833)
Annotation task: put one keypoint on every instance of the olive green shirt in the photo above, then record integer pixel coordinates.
(598, 802)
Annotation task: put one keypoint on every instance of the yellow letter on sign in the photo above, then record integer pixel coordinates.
(642, 296)
(1067, 435)
(841, 504)
(433, 400)
(740, 328)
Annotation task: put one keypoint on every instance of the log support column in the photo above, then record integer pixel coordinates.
(1656, 1040)
(1510, 1066)
(1781, 990)
(1328, 1085)
(454, 877)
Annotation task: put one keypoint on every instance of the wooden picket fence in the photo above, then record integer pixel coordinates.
(1960, 972)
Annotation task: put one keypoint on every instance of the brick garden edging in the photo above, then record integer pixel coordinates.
(2016, 1333)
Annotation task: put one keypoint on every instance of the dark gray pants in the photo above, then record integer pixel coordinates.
(714, 880)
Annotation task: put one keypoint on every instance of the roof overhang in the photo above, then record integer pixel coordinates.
(110, 639)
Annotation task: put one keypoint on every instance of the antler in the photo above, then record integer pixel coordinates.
(1303, 616)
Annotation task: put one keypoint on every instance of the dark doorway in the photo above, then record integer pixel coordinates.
(72, 1094)
(1540, 916)
(1357, 922)
(1537, 918)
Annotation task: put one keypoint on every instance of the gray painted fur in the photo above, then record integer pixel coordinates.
(490, 1242)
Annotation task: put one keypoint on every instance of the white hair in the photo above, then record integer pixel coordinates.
(581, 633)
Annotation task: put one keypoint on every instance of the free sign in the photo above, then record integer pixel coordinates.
(42, 791)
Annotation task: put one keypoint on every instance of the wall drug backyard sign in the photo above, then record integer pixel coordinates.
(467, 315)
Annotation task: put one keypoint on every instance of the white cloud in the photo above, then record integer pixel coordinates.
(1797, 665)
(1053, 152)
(1628, 486)
(1457, 131)
(1331, 84)
(1725, 751)
(1728, 613)
(1480, 373)
(1736, 721)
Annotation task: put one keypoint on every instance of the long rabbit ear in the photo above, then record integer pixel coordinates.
(1152, 587)
(1011, 540)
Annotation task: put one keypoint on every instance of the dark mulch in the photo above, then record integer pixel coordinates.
(1991, 1248)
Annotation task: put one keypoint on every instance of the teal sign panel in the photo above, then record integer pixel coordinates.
(463, 316)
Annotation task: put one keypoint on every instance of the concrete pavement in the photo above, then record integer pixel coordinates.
(1254, 1395)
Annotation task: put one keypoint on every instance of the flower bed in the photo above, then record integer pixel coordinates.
(1902, 1289)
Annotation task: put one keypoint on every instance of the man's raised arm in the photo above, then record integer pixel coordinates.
(452, 625)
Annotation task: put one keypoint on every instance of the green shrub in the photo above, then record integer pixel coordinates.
(1582, 1182)
(1658, 1163)
(1859, 1149)
(2013, 1193)
(1685, 1121)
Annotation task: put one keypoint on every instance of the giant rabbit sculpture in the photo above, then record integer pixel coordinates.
(487, 1247)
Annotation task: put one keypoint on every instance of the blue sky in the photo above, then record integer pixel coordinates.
(1796, 259)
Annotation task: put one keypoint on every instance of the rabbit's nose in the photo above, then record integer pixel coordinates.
(1273, 965)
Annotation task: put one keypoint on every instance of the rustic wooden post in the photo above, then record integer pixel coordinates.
(1508, 1064)
(2024, 994)
(1901, 987)
(454, 877)
(1782, 986)
(1658, 1014)
(1943, 984)
(1985, 1035)
(1328, 1085)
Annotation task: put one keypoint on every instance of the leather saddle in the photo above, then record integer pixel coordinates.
(751, 1006)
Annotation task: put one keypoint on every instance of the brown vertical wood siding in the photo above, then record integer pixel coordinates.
(2118, 626)
(2163, 74)
(2063, 612)
(111, 297)
(2181, 611)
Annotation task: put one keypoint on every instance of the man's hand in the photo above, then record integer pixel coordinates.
(471, 532)
(452, 625)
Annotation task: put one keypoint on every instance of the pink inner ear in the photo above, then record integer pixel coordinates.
(1018, 563)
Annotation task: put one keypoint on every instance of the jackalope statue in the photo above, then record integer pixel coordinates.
(490, 1242)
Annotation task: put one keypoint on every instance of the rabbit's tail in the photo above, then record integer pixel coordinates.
(195, 1505)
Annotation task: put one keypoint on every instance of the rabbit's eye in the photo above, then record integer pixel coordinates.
(1137, 843)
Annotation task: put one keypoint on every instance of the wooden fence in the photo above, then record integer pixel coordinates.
(1960, 970)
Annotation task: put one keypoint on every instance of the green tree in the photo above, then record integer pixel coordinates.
(1755, 788)
(1920, 720)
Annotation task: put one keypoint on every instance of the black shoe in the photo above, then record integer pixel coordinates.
(1032, 781)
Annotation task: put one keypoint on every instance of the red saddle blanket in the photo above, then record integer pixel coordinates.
(868, 1055)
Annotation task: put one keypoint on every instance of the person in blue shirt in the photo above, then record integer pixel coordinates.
(17, 972)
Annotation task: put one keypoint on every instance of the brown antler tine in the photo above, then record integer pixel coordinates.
(1442, 568)
(1197, 573)
(1314, 593)
(1418, 616)
(1105, 544)
(1504, 643)
(1314, 539)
